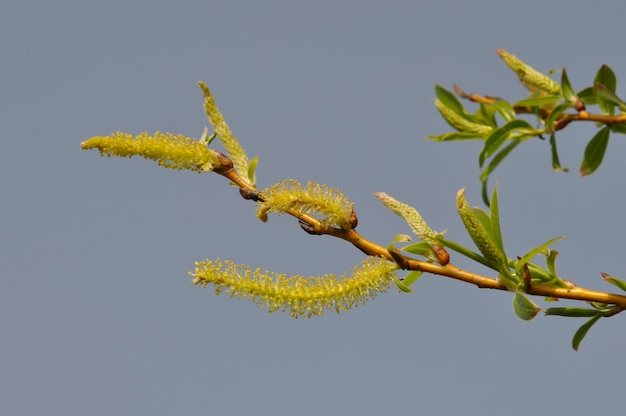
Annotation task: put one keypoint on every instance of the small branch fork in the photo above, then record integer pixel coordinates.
(315, 227)
(560, 123)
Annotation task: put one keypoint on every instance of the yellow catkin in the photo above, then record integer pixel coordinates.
(334, 208)
(229, 141)
(299, 296)
(168, 150)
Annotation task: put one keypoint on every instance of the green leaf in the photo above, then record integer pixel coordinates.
(412, 277)
(551, 260)
(464, 251)
(566, 88)
(496, 232)
(524, 308)
(543, 248)
(538, 101)
(556, 164)
(582, 331)
(456, 135)
(252, 169)
(587, 96)
(609, 97)
(499, 136)
(488, 115)
(571, 312)
(606, 77)
(484, 219)
(505, 109)
(450, 100)
(555, 114)
(493, 164)
(594, 152)
(404, 288)
(615, 281)
(618, 128)
(421, 248)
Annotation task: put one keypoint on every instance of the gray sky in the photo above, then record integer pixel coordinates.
(98, 315)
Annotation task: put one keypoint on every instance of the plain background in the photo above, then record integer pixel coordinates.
(97, 313)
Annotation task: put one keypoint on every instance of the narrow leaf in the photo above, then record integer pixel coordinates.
(556, 164)
(615, 281)
(450, 100)
(496, 232)
(533, 252)
(412, 277)
(464, 251)
(571, 312)
(606, 77)
(566, 88)
(582, 331)
(538, 101)
(493, 164)
(594, 152)
(499, 136)
(457, 135)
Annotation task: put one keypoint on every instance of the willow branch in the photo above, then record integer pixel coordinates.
(561, 122)
(314, 226)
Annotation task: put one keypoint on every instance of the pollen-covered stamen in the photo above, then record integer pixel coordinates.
(168, 150)
(298, 295)
(329, 205)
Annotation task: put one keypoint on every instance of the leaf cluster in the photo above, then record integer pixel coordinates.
(499, 123)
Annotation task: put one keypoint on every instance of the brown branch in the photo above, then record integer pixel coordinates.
(314, 226)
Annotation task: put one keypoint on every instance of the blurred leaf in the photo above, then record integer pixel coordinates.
(556, 164)
(488, 115)
(594, 152)
(499, 136)
(452, 136)
(505, 109)
(493, 164)
(618, 128)
(582, 331)
(609, 97)
(554, 115)
(571, 312)
(615, 281)
(566, 88)
(587, 96)
(538, 101)
(606, 77)
(412, 277)
(524, 308)
(449, 100)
